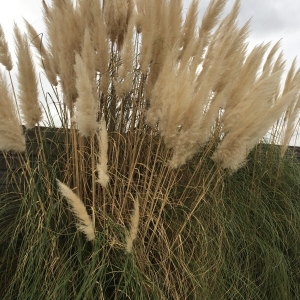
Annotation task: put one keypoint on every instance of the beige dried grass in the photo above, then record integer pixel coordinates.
(88, 57)
(132, 234)
(85, 105)
(189, 26)
(174, 16)
(209, 21)
(124, 81)
(28, 85)
(292, 115)
(116, 14)
(65, 29)
(99, 38)
(103, 177)
(292, 112)
(253, 123)
(244, 82)
(11, 133)
(268, 65)
(149, 28)
(5, 56)
(46, 58)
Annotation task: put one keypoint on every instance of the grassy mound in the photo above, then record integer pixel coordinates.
(239, 240)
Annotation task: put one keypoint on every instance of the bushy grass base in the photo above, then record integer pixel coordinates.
(235, 237)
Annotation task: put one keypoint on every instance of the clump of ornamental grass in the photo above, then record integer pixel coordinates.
(156, 182)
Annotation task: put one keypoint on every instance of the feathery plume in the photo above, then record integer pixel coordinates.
(84, 223)
(99, 38)
(100, 42)
(161, 92)
(279, 63)
(28, 90)
(290, 76)
(85, 112)
(125, 73)
(116, 13)
(11, 135)
(88, 57)
(65, 31)
(132, 234)
(261, 125)
(174, 19)
(267, 68)
(103, 177)
(140, 7)
(212, 15)
(148, 34)
(231, 65)
(162, 38)
(245, 80)
(5, 57)
(254, 104)
(292, 114)
(209, 21)
(88, 54)
(52, 30)
(254, 123)
(189, 25)
(202, 106)
(46, 58)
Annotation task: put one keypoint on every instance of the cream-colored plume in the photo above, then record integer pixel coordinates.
(28, 85)
(46, 58)
(116, 14)
(5, 57)
(85, 105)
(103, 177)
(84, 223)
(11, 135)
(132, 234)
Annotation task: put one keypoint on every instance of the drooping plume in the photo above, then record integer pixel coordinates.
(132, 234)
(84, 223)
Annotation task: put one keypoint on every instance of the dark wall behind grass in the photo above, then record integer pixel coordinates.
(51, 139)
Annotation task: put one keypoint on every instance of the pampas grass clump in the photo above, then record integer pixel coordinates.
(174, 139)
